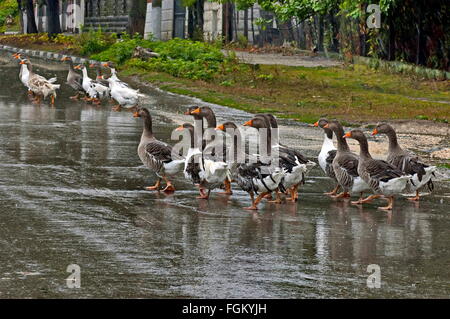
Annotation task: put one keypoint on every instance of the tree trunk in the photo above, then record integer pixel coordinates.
(320, 40)
(138, 10)
(19, 6)
(246, 23)
(54, 26)
(391, 53)
(31, 21)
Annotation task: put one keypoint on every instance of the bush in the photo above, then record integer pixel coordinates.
(180, 58)
(7, 8)
(94, 41)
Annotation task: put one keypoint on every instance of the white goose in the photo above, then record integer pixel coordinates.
(95, 90)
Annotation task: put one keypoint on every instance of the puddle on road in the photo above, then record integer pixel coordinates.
(71, 192)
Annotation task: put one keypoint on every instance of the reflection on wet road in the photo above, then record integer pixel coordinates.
(71, 192)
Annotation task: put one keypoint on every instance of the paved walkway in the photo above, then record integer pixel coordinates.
(289, 60)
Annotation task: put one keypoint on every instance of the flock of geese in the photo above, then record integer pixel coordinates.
(90, 90)
(281, 170)
(254, 174)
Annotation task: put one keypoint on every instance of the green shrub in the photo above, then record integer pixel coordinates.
(7, 8)
(92, 42)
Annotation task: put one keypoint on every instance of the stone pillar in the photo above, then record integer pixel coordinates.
(153, 19)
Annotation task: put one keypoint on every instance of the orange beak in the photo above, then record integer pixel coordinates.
(77, 67)
(64, 59)
(91, 65)
(136, 114)
(100, 77)
(375, 132)
(248, 123)
(349, 134)
(220, 127)
(22, 62)
(105, 65)
(326, 126)
(316, 124)
(179, 128)
(196, 111)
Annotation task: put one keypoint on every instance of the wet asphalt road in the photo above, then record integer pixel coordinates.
(71, 192)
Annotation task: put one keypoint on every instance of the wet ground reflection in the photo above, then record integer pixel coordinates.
(71, 192)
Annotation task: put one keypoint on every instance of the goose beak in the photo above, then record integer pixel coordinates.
(349, 134)
(220, 127)
(375, 132)
(22, 62)
(196, 111)
(100, 77)
(91, 65)
(179, 128)
(77, 67)
(316, 124)
(105, 65)
(326, 126)
(64, 59)
(136, 114)
(248, 123)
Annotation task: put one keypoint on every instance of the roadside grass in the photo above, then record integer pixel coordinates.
(352, 93)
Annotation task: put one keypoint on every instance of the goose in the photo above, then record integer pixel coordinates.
(213, 170)
(39, 85)
(252, 175)
(99, 76)
(383, 178)
(205, 112)
(292, 154)
(156, 155)
(327, 154)
(24, 74)
(289, 160)
(191, 168)
(113, 75)
(94, 89)
(74, 79)
(123, 95)
(407, 162)
(345, 166)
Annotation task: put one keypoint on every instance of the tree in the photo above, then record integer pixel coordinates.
(138, 10)
(54, 27)
(27, 6)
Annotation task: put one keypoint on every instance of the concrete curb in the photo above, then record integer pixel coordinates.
(46, 55)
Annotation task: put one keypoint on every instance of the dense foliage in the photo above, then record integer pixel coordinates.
(8, 9)
(180, 58)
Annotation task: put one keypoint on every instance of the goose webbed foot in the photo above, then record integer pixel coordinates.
(155, 187)
(169, 189)
(341, 195)
(277, 198)
(415, 198)
(359, 201)
(228, 190)
(390, 204)
(117, 108)
(369, 199)
(293, 197)
(203, 195)
(256, 201)
(333, 192)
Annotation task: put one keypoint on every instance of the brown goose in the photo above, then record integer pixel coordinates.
(286, 151)
(407, 162)
(74, 79)
(253, 176)
(382, 177)
(213, 170)
(287, 161)
(327, 154)
(157, 155)
(345, 166)
(205, 112)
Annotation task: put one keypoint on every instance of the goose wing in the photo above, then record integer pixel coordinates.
(381, 170)
(349, 163)
(410, 164)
